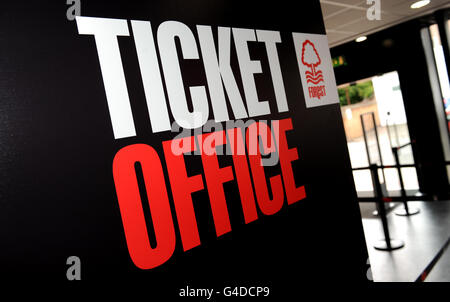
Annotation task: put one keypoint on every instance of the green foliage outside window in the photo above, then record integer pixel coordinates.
(356, 93)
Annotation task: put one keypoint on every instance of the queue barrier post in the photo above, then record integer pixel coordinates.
(386, 244)
(406, 211)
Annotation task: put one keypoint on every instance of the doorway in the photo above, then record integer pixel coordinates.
(375, 122)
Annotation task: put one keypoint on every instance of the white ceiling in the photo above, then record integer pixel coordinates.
(345, 20)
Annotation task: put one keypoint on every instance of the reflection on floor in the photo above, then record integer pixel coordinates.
(424, 234)
(441, 272)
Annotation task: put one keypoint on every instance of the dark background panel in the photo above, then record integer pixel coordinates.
(57, 191)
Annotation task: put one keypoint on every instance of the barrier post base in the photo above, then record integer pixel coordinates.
(411, 211)
(394, 245)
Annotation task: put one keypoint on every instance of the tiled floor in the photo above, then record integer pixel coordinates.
(424, 234)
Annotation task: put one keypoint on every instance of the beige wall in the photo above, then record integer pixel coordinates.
(352, 126)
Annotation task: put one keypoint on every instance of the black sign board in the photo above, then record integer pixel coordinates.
(186, 144)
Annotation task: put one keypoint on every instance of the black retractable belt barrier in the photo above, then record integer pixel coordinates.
(370, 158)
(386, 244)
(406, 211)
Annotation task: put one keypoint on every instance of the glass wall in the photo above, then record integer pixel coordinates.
(434, 50)
(375, 122)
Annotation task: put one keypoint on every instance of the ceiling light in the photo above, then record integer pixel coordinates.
(419, 4)
(360, 39)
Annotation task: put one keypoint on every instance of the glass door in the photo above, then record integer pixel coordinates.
(374, 107)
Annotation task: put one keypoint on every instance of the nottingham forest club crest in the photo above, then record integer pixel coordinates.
(314, 76)
(316, 69)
